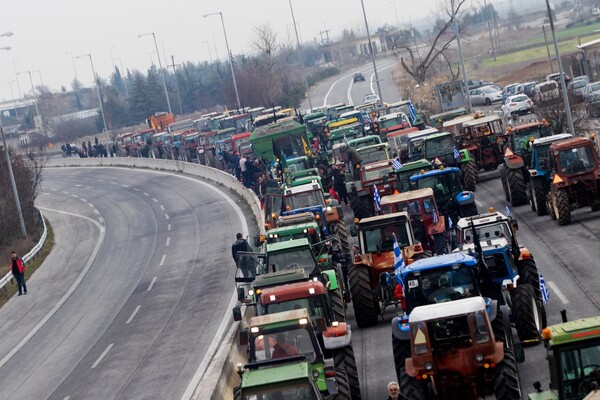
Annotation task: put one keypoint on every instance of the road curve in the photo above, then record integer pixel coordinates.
(134, 318)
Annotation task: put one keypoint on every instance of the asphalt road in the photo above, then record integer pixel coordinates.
(130, 299)
(566, 256)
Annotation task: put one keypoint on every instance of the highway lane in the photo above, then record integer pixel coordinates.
(139, 320)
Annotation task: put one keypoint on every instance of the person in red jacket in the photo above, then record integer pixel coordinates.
(399, 295)
(283, 349)
(18, 270)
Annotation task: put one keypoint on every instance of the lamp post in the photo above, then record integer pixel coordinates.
(301, 57)
(123, 76)
(97, 88)
(17, 77)
(462, 59)
(209, 52)
(73, 61)
(35, 103)
(372, 52)
(237, 96)
(162, 73)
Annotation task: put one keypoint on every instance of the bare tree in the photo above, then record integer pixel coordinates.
(554, 112)
(265, 42)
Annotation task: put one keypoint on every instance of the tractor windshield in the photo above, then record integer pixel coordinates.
(543, 159)
(399, 120)
(380, 238)
(445, 186)
(439, 285)
(579, 159)
(374, 174)
(277, 345)
(521, 138)
(313, 304)
(579, 370)
(304, 199)
(374, 155)
(433, 147)
(296, 258)
(450, 333)
(286, 391)
(486, 232)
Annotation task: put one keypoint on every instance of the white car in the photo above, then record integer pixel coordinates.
(485, 95)
(517, 104)
(371, 98)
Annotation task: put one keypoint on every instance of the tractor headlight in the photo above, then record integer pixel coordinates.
(251, 292)
(479, 357)
(328, 209)
(428, 366)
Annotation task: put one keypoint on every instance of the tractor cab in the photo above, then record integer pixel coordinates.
(519, 139)
(415, 144)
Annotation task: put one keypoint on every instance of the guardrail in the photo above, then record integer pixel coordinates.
(29, 256)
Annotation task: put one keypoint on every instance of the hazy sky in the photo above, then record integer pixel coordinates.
(45, 32)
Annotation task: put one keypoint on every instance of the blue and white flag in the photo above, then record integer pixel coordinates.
(449, 223)
(413, 112)
(368, 118)
(456, 153)
(436, 219)
(398, 260)
(544, 290)
(396, 163)
(376, 198)
(507, 211)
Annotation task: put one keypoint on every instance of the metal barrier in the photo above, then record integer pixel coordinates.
(31, 255)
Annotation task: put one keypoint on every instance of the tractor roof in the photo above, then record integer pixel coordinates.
(575, 331)
(367, 138)
(274, 374)
(528, 125)
(307, 187)
(284, 316)
(384, 217)
(437, 135)
(377, 164)
(288, 244)
(551, 139)
(445, 260)
(489, 246)
(419, 164)
(424, 132)
(399, 114)
(371, 147)
(449, 170)
(292, 291)
(300, 227)
(287, 127)
(458, 120)
(481, 219)
(571, 143)
(406, 196)
(447, 310)
(480, 121)
(280, 278)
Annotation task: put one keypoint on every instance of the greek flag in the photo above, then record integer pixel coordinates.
(449, 223)
(376, 198)
(456, 153)
(367, 118)
(436, 219)
(543, 289)
(507, 211)
(398, 260)
(413, 112)
(396, 163)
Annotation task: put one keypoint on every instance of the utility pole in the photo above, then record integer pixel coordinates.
(485, 8)
(548, 50)
(13, 183)
(176, 83)
(462, 60)
(372, 52)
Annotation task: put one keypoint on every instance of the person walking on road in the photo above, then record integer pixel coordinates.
(244, 262)
(18, 270)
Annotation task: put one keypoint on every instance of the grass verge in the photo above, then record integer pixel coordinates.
(9, 290)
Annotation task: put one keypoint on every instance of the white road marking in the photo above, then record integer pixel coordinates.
(101, 220)
(67, 398)
(65, 192)
(97, 212)
(125, 186)
(162, 260)
(54, 190)
(146, 194)
(78, 185)
(162, 207)
(373, 75)
(558, 292)
(91, 205)
(168, 241)
(104, 353)
(151, 284)
(136, 189)
(154, 200)
(167, 217)
(349, 92)
(133, 314)
(169, 227)
(74, 195)
(114, 183)
(84, 200)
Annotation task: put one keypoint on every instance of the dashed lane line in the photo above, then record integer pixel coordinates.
(154, 200)
(558, 292)
(169, 227)
(104, 353)
(168, 242)
(167, 217)
(162, 260)
(146, 194)
(151, 284)
(136, 189)
(162, 207)
(133, 314)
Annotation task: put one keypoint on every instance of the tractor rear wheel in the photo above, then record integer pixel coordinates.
(341, 378)
(237, 393)
(343, 358)
(359, 207)
(441, 243)
(363, 302)
(401, 349)
(527, 315)
(468, 210)
(413, 389)
(516, 187)
(469, 170)
(506, 378)
(502, 331)
(503, 181)
(337, 303)
(538, 196)
(338, 228)
(528, 274)
(562, 208)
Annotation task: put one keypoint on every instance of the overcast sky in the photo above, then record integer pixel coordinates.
(46, 32)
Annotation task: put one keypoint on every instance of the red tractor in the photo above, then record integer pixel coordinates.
(480, 137)
(380, 174)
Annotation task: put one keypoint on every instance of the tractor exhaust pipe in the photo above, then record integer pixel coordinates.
(563, 315)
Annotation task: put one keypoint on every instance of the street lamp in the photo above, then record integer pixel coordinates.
(73, 61)
(237, 96)
(372, 52)
(123, 76)
(209, 52)
(35, 103)
(301, 57)
(162, 73)
(97, 87)
(462, 59)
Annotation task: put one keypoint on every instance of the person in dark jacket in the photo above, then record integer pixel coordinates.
(244, 262)
(339, 184)
(352, 158)
(18, 270)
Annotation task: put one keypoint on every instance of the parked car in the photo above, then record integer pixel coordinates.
(576, 89)
(371, 98)
(476, 83)
(582, 78)
(509, 90)
(359, 77)
(526, 88)
(590, 88)
(545, 91)
(556, 77)
(518, 104)
(592, 105)
(485, 95)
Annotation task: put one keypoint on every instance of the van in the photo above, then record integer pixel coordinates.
(545, 91)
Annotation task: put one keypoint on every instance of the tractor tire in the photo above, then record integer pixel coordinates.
(359, 207)
(528, 274)
(337, 304)
(542, 307)
(401, 350)
(343, 358)
(237, 393)
(441, 243)
(550, 207)
(503, 181)
(595, 207)
(210, 158)
(516, 187)
(469, 171)
(339, 229)
(538, 197)
(363, 302)
(502, 332)
(343, 386)
(506, 378)
(526, 314)
(468, 210)
(413, 389)
(562, 208)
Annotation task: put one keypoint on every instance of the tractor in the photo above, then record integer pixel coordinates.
(573, 353)
(407, 170)
(370, 284)
(415, 144)
(455, 354)
(539, 172)
(285, 360)
(378, 174)
(576, 178)
(480, 137)
(442, 150)
(428, 225)
(517, 158)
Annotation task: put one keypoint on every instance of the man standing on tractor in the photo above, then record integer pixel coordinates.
(352, 159)
(243, 261)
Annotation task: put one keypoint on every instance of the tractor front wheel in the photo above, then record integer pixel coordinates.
(412, 388)
(344, 358)
(469, 170)
(441, 243)
(506, 378)
(527, 315)
(343, 386)
(516, 187)
(562, 208)
(359, 206)
(528, 274)
(401, 349)
(363, 302)
(337, 303)
(339, 229)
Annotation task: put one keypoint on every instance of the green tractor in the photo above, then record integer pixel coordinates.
(573, 358)
(285, 360)
(279, 142)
